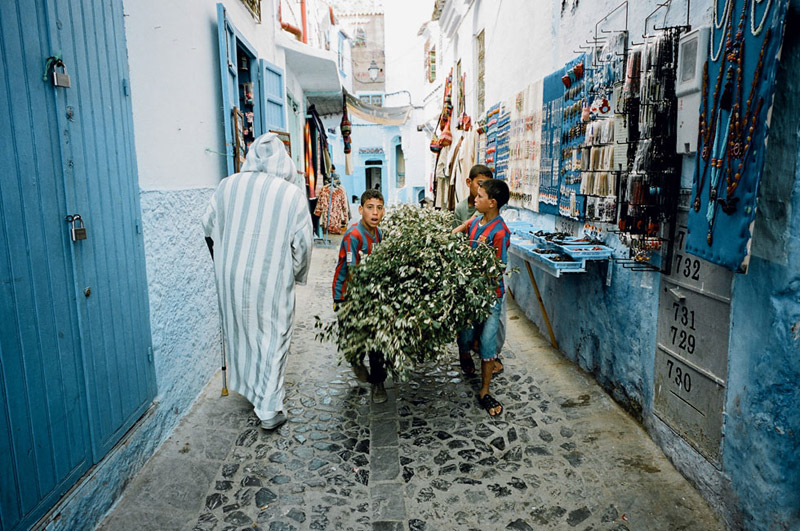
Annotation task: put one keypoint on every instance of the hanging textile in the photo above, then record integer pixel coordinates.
(333, 206)
(346, 128)
(311, 175)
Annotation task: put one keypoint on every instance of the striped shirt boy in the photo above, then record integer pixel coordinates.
(356, 241)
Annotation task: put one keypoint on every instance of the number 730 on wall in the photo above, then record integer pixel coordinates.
(682, 378)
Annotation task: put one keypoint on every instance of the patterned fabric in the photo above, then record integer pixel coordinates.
(356, 241)
(339, 209)
(261, 228)
(496, 234)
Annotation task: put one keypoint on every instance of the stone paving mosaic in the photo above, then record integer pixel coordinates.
(304, 475)
(561, 456)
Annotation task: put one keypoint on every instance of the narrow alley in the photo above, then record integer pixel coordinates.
(632, 165)
(562, 456)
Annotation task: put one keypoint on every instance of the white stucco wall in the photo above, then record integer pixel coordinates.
(173, 53)
(405, 72)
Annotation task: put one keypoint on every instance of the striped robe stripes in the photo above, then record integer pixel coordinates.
(261, 227)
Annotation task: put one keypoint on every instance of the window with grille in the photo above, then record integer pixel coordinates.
(430, 62)
(480, 72)
(254, 6)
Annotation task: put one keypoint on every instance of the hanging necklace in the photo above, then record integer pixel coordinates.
(756, 31)
(711, 124)
(734, 55)
(719, 24)
(740, 148)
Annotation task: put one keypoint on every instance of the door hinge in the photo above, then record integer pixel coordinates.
(138, 227)
(125, 87)
(150, 354)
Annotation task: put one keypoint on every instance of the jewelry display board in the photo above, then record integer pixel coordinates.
(573, 130)
(524, 147)
(550, 160)
(600, 171)
(737, 94)
(502, 153)
(492, 116)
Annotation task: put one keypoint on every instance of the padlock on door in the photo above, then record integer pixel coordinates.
(60, 79)
(77, 230)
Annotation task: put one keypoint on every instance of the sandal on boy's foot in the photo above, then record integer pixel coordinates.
(488, 403)
(275, 422)
(360, 371)
(467, 364)
(379, 395)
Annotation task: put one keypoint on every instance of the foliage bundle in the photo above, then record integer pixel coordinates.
(417, 289)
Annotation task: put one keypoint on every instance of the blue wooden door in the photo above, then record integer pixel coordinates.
(75, 369)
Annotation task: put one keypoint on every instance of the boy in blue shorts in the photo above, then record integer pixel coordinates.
(489, 229)
(360, 239)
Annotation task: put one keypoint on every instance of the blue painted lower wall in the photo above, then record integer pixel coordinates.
(607, 325)
(186, 341)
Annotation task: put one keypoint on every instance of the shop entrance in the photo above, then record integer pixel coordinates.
(374, 172)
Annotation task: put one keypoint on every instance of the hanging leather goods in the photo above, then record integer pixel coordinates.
(446, 138)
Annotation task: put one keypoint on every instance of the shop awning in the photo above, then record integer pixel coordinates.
(316, 70)
(378, 115)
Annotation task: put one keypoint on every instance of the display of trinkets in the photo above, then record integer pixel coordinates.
(502, 143)
(573, 130)
(492, 116)
(737, 91)
(550, 154)
(648, 191)
(524, 147)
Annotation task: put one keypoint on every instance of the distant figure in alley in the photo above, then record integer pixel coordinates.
(258, 228)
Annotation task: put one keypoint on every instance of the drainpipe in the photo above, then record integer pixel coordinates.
(294, 30)
(305, 24)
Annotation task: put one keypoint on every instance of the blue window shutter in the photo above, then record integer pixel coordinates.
(227, 70)
(273, 109)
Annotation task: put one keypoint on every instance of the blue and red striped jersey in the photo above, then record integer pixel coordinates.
(496, 234)
(356, 241)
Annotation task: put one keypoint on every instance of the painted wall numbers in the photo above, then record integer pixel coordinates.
(693, 272)
(692, 347)
(690, 401)
(693, 326)
(683, 379)
(687, 266)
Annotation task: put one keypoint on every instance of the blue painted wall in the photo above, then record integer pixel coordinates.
(761, 449)
(364, 135)
(609, 329)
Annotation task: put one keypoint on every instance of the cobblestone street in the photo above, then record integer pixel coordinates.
(562, 456)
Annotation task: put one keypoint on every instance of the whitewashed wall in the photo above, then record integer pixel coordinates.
(175, 86)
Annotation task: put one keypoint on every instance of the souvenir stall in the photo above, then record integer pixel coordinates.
(738, 86)
(525, 147)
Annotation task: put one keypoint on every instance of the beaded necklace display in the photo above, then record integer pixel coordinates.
(734, 55)
(742, 120)
(756, 31)
(708, 129)
(739, 145)
(719, 24)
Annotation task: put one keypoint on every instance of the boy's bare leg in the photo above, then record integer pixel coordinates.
(487, 369)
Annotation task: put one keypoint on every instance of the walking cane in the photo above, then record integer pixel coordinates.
(222, 334)
(210, 244)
